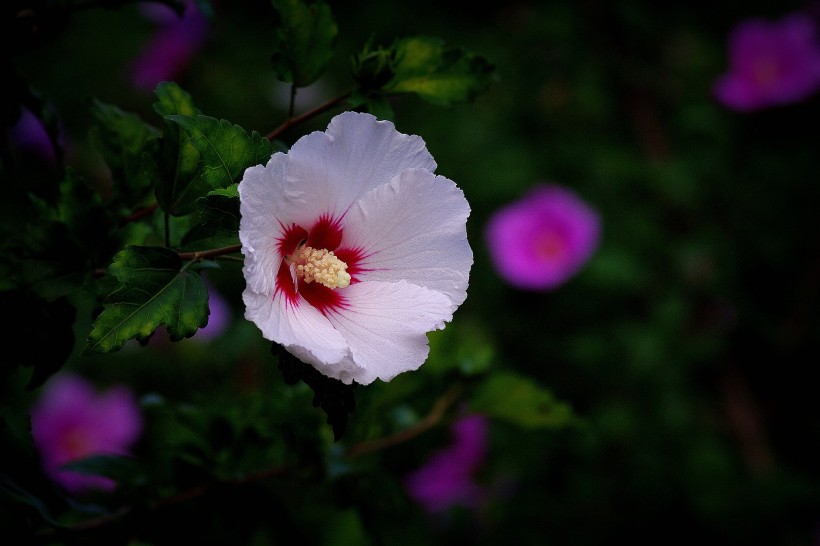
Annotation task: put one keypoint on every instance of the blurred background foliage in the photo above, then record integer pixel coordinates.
(684, 348)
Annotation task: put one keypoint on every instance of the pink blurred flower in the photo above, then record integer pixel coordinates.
(175, 44)
(219, 317)
(447, 479)
(30, 136)
(71, 421)
(543, 239)
(770, 63)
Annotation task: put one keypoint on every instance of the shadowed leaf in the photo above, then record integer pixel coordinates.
(336, 399)
(122, 469)
(120, 137)
(521, 401)
(172, 161)
(305, 41)
(220, 222)
(173, 100)
(437, 73)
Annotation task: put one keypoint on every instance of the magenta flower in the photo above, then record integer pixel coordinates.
(219, 318)
(543, 239)
(175, 44)
(29, 135)
(72, 421)
(770, 63)
(447, 480)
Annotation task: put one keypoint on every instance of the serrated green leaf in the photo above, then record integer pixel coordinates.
(521, 401)
(172, 161)
(437, 73)
(173, 164)
(305, 41)
(226, 149)
(172, 99)
(230, 191)
(155, 289)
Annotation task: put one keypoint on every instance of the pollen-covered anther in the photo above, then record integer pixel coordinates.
(320, 265)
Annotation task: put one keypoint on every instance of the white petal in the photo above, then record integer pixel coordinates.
(414, 228)
(385, 326)
(328, 171)
(261, 222)
(301, 329)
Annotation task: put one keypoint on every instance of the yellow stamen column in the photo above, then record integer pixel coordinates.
(320, 265)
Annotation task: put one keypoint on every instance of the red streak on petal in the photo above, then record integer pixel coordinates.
(284, 283)
(325, 233)
(289, 241)
(353, 258)
(321, 297)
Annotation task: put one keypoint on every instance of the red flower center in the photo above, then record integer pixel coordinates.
(325, 234)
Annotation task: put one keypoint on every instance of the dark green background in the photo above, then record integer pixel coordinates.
(688, 342)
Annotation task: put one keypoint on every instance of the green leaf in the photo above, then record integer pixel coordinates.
(344, 527)
(172, 99)
(155, 290)
(305, 41)
(53, 250)
(372, 67)
(220, 223)
(521, 401)
(92, 226)
(120, 137)
(336, 399)
(126, 471)
(466, 346)
(172, 161)
(230, 191)
(173, 164)
(425, 66)
(226, 149)
(374, 103)
(11, 491)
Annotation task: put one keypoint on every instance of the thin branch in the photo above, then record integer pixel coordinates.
(295, 120)
(436, 414)
(139, 214)
(292, 105)
(167, 222)
(213, 253)
(200, 255)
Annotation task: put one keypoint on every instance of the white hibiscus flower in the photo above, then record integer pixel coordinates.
(353, 249)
